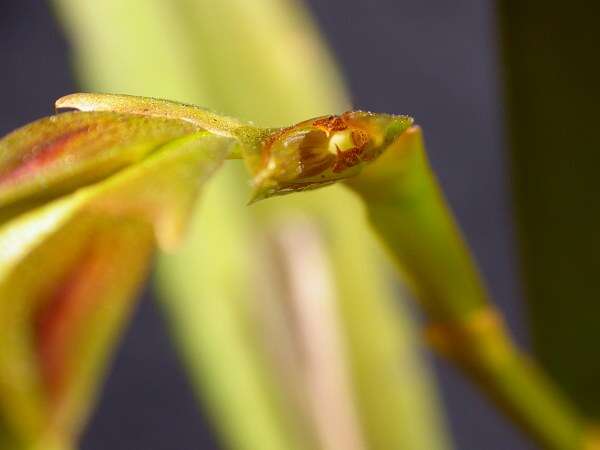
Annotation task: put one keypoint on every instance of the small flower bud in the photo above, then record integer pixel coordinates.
(320, 151)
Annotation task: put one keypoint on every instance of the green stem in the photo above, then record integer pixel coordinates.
(408, 211)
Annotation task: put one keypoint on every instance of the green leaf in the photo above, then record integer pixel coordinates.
(552, 96)
(69, 271)
(58, 154)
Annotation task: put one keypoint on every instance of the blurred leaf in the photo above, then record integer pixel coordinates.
(263, 61)
(553, 95)
(68, 274)
(68, 319)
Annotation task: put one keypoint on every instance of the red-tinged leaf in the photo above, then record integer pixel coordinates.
(68, 274)
(58, 154)
(72, 294)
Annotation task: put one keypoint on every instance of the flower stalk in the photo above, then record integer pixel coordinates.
(407, 210)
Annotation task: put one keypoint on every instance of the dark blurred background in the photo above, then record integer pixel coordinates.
(433, 59)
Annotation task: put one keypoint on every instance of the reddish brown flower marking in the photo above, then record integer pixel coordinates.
(331, 124)
(349, 157)
(313, 159)
(346, 159)
(314, 153)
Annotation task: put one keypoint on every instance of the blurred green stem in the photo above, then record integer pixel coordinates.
(407, 209)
